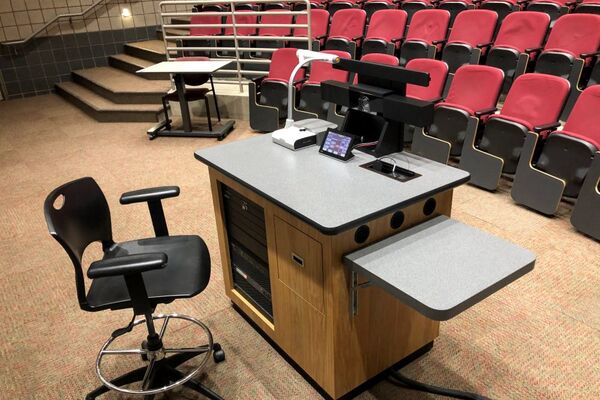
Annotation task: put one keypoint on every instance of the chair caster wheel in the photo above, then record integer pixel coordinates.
(218, 353)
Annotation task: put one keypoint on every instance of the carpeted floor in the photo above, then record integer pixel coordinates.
(537, 339)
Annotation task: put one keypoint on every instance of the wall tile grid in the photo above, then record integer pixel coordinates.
(66, 45)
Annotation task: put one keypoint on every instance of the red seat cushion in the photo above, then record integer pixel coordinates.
(475, 88)
(438, 72)
(584, 119)
(321, 71)
(523, 30)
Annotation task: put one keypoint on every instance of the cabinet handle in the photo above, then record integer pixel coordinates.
(298, 260)
(244, 206)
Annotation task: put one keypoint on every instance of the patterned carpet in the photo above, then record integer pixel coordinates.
(537, 339)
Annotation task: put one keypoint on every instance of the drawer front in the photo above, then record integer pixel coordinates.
(299, 263)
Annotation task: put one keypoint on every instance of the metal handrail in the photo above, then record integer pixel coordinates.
(53, 20)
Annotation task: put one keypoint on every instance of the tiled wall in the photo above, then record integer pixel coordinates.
(68, 45)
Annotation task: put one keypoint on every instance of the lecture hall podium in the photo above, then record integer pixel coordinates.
(346, 269)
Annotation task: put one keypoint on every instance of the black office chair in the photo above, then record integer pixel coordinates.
(138, 274)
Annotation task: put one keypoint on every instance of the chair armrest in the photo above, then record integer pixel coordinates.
(358, 37)
(300, 81)
(485, 112)
(482, 45)
(127, 265)
(320, 37)
(589, 55)
(436, 2)
(436, 42)
(396, 40)
(533, 50)
(258, 80)
(546, 127)
(521, 2)
(149, 194)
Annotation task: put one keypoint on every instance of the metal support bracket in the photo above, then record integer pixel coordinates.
(354, 286)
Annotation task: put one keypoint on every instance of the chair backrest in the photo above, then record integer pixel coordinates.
(428, 25)
(77, 214)
(387, 25)
(584, 119)
(348, 23)
(475, 87)
(575, 34)
(438, 72)
(523, 30)
(205, 19)
(473, 27)
(279, 16)
(381, 59)
(537, 99)
(319, 23)
(283, 62)
(321, 71)
(242, 19)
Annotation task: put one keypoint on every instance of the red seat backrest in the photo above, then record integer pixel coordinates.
(537, 99)
(387, 25)
(283, 62)
(278, 17)
(475, 87)
(348, 23)
(242, 19)
(575, 34)
(523, 30)
(319, 22)
(584, 119)
(381, 59)
(321, 71)
(473, 27)
(205, 19)
(428, 25)
(438, 71)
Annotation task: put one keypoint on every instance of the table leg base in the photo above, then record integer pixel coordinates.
(219, 132)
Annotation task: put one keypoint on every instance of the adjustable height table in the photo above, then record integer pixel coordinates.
(178, 69)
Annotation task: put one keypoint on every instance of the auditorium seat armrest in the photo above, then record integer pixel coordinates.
(396, 40)
(127, 265)
(149, 194)
(546, 127)
(482, 45)
(320, 37)
(589, 55)
(357, 38)
(533, 50)
(485, 111)
(436, 42)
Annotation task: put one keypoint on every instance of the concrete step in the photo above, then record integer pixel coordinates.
(121, 87)
(151, 50)
(104, 110)
(180, 20)
(172, 32)
(132, 64)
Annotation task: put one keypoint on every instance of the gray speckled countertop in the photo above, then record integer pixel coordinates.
(329, 194)
(441, 267)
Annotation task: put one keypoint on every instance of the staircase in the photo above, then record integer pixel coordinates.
(115, 93)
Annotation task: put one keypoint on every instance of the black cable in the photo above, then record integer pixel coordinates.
(408, 383)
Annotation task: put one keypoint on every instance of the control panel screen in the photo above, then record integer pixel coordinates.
(337, 145)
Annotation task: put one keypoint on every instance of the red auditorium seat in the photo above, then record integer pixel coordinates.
(473, 95)
(268, 95)
(554, 8)
(337, 5)
(572, 45)
(278, 17)
(378, 58)
(500, 7)
(520, 35)
(564, 160)
(385, 32)
(438, 73)
(470, 38)
(310, 92)
(319, 23)
(346, 30)
(372, 6)
(412, 6)
(314, 4)
(202, 31)
(240, 18)
(426, 35)
(534, 103)
(454, 7)
(588, 7)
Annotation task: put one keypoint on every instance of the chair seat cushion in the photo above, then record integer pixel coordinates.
(187, 272)
(190, 94)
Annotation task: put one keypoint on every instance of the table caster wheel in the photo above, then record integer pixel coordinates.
(218, 353)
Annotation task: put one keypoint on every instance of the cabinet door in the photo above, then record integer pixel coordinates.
(299, 263)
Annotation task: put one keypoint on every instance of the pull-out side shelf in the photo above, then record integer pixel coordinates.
(440, 267)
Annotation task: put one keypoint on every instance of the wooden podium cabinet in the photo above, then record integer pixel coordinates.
(312, 319)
